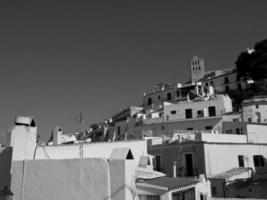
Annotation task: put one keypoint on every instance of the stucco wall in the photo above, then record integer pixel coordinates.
(257, 133)
(71, 179)
(250, 110)
(168, 128)
(23, 141)
(222, 103)
(90, 150)
(220, 138)
(176, 152)
(222, 157)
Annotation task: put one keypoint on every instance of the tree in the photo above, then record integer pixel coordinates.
(254, 64)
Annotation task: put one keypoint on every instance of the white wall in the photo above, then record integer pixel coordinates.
(23, 141)
(222, 157)
(257, 133)
(90, 150)
(83, 179)
(222, 103)
(222, 138)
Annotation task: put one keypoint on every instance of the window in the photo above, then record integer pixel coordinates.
(212, 111)
(173, 112)
(169, 96)
(258, 161)
(149, 101)
(238, 131)
(158, 97)
(162, 127)
(214, 191)
(241, 161)
(226, 80)
(227, 89)
(157, 165)
(208, 127)
(237, 77)
(190, 129)
(257, 106)
(188, 113)
(119, 130)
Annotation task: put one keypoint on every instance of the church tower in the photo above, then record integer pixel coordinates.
(197, 68)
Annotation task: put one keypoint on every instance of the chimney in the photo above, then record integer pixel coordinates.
(202, 178)
(174, 168)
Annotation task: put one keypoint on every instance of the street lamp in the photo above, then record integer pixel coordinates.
(6, 194)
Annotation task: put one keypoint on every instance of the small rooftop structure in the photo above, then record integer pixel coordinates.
(25, 121)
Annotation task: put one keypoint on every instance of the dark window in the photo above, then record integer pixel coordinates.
(226, 80)
(189, 164)
(227, 89)
(173, 112)
(188, 113)
(238, 131)
(169, 96)
(208, 127)
(158, 96)
(258, 161)
(257, 106)
(162, 127)
(237, 77)
(249, 119)
(119, 131)
(158, 163)
(241, 161)
(201, 197)
(212, 111)
(214, 191)
(149, 101)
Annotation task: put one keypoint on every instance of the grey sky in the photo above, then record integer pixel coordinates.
(60, 58)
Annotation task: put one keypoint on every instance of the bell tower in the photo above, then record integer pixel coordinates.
(197, 68)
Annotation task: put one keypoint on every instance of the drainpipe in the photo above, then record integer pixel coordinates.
(174, 168)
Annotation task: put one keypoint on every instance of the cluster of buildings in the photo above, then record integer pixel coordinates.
(184, 142)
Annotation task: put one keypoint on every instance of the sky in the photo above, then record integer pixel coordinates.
(61, 58)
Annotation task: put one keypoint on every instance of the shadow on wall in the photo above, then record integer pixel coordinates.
(5, 166)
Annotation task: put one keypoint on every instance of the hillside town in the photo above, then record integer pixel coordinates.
(186, 141)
